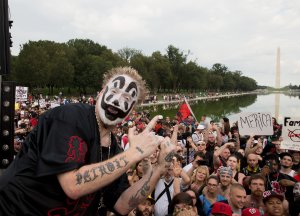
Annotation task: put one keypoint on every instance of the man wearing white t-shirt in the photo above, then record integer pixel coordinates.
(286, 163)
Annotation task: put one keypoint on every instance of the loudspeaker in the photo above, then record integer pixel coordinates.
(7, 123)
(5, 38)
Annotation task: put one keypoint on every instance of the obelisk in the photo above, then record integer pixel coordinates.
(277, 84)
(277, 78)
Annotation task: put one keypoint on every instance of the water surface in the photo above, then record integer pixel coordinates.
(278, 104)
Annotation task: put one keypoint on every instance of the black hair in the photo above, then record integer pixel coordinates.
(181, 197)
(214, 177)
(272, 157)
(198, 204)
(199, 154)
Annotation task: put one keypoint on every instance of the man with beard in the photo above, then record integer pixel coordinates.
(252, 165)
(257, 187)
(211, 139)
(286, 163)
(145, 208)
(70, 163)
(296, 161)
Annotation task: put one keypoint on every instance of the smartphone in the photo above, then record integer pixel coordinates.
(269, 164)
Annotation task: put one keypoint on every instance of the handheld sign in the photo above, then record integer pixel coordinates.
(255, 123)
(291, 133)
(21, 93)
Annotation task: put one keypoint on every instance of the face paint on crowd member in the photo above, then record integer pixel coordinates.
(117, 100)
(296, 190)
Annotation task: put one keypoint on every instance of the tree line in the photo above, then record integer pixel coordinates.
(80, 64)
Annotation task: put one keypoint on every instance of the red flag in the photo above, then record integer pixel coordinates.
(183, 112)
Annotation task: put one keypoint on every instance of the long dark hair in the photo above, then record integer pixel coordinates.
(198, 204)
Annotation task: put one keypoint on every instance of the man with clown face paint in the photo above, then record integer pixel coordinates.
(70, 164)
(118, 99)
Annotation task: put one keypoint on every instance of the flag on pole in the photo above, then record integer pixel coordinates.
(184, 111)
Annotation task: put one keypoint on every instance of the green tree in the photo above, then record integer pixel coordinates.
(177, 60)
(85, 54)
(127, 53)
(32, 65)
(61, 70)
(219, 69)
(161, 67)
(228, 82)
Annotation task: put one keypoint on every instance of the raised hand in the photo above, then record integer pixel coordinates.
(177, 170)
(145, 143)
(166, 154)
(286, 182)
(174, 134)
(146, 164)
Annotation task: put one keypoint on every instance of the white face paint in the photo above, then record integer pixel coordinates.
(296, 190)
(117, 99)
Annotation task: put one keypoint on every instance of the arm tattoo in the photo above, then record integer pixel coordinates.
(169, 143)
(144, 191)
(169, 157)
(107, 169)
(140, 150)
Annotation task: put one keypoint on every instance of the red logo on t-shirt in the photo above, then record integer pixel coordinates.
(74, 207)
(77, 150)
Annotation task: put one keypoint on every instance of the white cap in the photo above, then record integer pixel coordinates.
(200, 127)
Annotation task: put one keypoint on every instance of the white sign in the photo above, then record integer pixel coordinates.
(42, 103)
(255, 123)
(53, 105)
(21, 93)
(291, 133)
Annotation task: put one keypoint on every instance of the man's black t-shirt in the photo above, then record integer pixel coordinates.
(65, 139)
(273, 184)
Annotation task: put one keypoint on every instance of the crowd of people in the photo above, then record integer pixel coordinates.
(103, 157)
(247, 175)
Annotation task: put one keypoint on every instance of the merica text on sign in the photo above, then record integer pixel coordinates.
(256, 123)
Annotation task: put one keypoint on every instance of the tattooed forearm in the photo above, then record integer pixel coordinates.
(169, 143)
(169, 156)
(144, 191)
(106, 169)
(139, 149)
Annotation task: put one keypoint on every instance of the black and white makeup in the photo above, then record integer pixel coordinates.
(296, 190)
(118, 99)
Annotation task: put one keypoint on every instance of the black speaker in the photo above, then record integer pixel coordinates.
(7, 123)
(5, 38)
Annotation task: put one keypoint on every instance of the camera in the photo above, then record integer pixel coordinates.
(232, 140)
(202, 162)
(185, 135)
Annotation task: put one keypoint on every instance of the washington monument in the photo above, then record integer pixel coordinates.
(277, 84)
(277, 78)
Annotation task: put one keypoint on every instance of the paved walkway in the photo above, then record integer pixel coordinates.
(197, 98)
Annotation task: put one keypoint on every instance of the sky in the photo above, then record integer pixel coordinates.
(242, 35)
